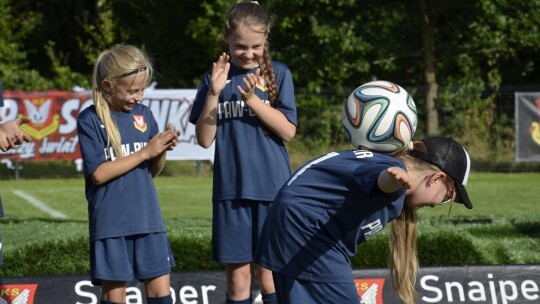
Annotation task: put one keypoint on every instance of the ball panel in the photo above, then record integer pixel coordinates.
(386, 120)
(354, 111)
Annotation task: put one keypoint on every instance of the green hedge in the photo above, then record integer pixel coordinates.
(441, 242)
(70, 256)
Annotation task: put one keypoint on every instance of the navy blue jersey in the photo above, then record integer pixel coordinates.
(247, 163)
(328, 207)
(128, 204)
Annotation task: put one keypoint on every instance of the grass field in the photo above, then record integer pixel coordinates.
(41, 209)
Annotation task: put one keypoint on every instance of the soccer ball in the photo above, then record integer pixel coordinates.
(379, 116)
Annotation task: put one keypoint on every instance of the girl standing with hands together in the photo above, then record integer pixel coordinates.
(123, 150)
(246, 104)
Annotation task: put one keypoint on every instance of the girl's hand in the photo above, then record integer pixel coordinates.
(174, 139)
(392, 179)
(250, 82)
(163, 141)
(220, 71)
(401, 176)
(11, 134)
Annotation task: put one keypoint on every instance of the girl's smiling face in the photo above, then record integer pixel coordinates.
(246, 46)
(127, 92)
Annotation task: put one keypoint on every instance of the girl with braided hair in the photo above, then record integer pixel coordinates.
(246, 105)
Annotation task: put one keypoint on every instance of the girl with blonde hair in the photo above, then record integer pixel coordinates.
(335, 202)
(122, 151)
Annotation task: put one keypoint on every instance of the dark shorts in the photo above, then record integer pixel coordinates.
(236, 228)
(290, 290)
(142, 256)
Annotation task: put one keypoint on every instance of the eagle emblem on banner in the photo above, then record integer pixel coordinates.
(370, 291)
(41, 112)
(140, 123)
(17, 294)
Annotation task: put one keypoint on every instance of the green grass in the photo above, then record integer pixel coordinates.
(503, 227)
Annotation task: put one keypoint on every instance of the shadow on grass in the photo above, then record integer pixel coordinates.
(529, 228)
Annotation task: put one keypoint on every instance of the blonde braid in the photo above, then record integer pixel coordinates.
(268, 75)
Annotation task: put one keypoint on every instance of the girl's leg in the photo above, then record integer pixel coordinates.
(266, 282)
(113, 291)
(239, 282)
(158, 287)
(158, 290)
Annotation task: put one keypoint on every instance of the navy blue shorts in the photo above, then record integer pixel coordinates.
(236, 228)
(142, 256)
(290, 290)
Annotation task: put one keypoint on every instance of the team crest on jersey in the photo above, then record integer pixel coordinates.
(140, 123)
(261, 84)
(43, 121)
(370, 291)
(17, 293)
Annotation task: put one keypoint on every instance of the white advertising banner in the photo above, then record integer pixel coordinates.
(174, 106)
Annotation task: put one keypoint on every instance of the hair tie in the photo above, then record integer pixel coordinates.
(411, 146)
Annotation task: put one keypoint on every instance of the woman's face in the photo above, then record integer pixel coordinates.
(246, 46)
(434, 189)
(127, 93)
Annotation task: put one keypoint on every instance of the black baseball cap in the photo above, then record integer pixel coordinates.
(449, 156)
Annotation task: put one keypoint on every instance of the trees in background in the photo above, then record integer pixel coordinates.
(452, 56)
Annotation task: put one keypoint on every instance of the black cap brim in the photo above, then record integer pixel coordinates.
(462, 196)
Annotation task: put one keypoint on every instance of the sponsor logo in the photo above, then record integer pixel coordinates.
(370, 291)
(17, 293)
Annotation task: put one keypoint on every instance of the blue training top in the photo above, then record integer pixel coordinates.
(327, 207)
(247, 163)
(128, 204)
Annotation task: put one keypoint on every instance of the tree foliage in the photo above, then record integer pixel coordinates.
(330, 46)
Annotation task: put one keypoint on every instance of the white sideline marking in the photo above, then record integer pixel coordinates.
(39, 204)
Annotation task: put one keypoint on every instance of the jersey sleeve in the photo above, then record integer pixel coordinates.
(91, 141)
(200, 98)
(366, 178)
(286, 100)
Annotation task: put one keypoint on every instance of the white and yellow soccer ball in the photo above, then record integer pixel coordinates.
(380, 116)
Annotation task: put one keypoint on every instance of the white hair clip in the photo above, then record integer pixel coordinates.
(411, 146)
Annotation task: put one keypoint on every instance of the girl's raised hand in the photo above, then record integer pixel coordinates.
(250, 83)
(220, 71)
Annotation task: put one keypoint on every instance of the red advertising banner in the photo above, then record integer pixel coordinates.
(54, 123)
